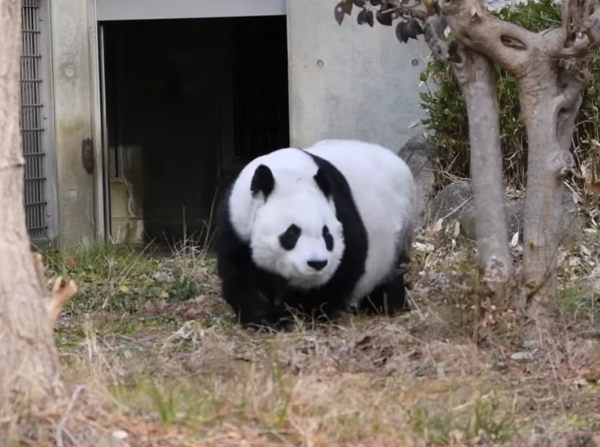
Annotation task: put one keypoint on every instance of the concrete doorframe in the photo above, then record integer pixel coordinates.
(101, 200)
(138, 10)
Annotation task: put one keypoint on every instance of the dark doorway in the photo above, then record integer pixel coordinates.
(188, 103)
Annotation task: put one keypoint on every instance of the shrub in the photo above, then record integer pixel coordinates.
(447, 114)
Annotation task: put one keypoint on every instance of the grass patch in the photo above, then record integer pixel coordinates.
(164, 364)
(471, 425)
(581, 304)
(117, 278)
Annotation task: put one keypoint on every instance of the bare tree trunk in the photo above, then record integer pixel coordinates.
(549, 113)
(551, 69)
(477, 79)
(543, 201)
(28, 359)
(491, 225)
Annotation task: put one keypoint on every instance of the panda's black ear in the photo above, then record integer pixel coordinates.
(263, 181)
(323, 182)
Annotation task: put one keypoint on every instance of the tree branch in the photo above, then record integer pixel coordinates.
(476, 77)
(434, 29)
(480, 89)
(594, 26)
(61, 292)
(567, 107)
(505, 43)
(418, 9)
(580, 32)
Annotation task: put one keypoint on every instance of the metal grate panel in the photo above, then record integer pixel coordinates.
(261, 87)
(32, 122)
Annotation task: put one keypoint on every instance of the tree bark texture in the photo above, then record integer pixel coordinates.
(551, 70)
(491, 224)
(476, 77)
(549, 160)
(28, 359)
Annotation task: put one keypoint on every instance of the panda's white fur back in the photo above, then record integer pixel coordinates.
(385, 194)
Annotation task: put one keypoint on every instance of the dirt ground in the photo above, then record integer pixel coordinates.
(152, 357)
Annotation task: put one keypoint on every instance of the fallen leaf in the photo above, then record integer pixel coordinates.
(148, 307)
(515, 240)
(456, 229)
(413, 124)
(522, 356)
(456, 437)
(427, 248)
(593, 187)
(366, 340)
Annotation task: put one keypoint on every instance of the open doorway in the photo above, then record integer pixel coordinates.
(188, 103)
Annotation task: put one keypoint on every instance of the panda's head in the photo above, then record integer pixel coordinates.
(295, 232)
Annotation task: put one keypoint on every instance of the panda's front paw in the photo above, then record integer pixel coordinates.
(267, 326)
(257, 317)
(266, 320)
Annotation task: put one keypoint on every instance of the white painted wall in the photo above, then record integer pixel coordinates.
(350, 81)
(353, 81)
(346, 81)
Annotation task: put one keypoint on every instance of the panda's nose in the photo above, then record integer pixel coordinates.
(317, 265)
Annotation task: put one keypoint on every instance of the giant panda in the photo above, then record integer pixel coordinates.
(322, 230)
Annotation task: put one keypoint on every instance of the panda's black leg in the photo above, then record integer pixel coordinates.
(395, 294)
(327, 312)
(374, 302)
(389, 297)
(241, 291)
(396, 286)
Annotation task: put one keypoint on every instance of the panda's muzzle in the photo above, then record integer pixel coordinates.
(317, 265)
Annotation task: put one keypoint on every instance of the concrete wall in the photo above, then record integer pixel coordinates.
(346, 81)
(350, 81)
(72, 101)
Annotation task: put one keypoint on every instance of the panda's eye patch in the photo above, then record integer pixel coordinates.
(328, 238)
(290, 237)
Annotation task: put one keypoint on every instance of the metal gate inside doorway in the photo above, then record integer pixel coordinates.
(37, 136)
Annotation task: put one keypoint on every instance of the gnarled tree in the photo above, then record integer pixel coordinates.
(551, 69)
(29, 370)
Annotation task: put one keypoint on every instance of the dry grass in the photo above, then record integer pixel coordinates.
(152, 358)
